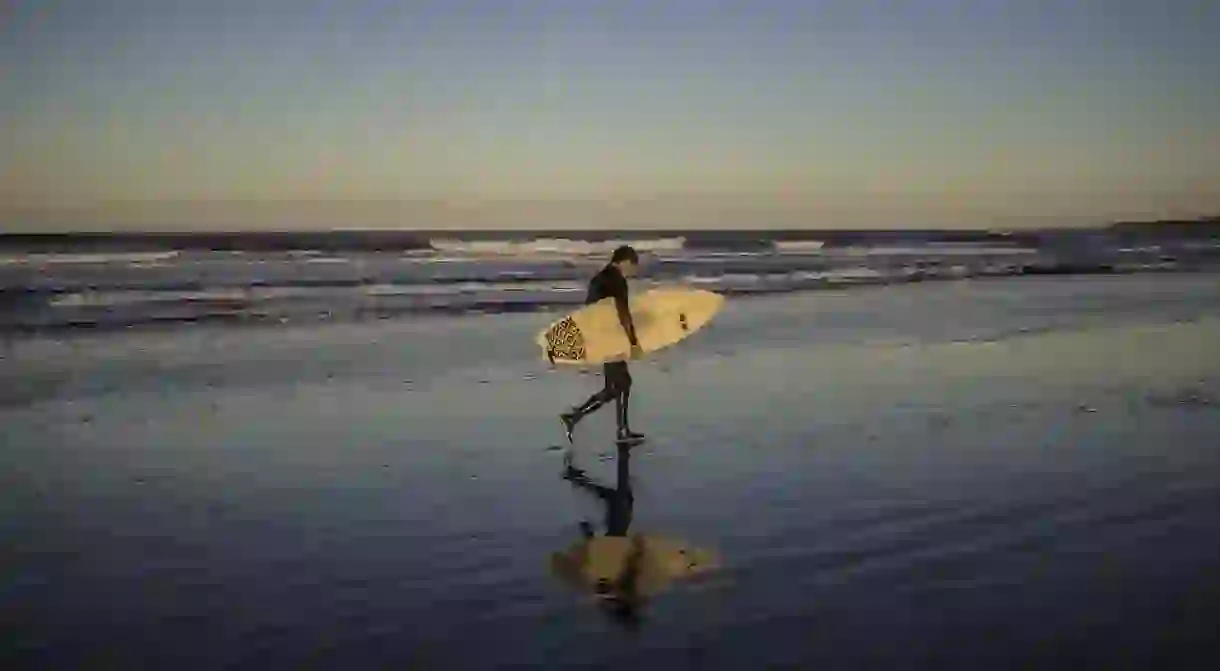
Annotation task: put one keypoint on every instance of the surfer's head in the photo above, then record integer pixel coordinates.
(626, 259)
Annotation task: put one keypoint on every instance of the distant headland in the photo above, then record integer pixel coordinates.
(1205, 227)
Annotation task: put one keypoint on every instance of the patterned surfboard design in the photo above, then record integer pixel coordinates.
(564, 341)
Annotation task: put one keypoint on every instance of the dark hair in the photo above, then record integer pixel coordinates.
(624, 253)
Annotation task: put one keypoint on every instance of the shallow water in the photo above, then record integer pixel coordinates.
(988, 472)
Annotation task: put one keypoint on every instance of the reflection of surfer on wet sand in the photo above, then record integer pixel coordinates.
(621, 569)
(618, 594)
(618, 500)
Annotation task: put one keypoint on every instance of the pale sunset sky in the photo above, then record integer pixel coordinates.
(180, 114)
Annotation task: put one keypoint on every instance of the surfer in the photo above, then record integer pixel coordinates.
(611, 282)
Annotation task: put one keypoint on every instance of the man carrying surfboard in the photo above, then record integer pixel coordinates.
(611, 282)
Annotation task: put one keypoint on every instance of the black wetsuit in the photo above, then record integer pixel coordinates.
(610, 283)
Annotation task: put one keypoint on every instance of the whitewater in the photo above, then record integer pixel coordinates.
(327, 277)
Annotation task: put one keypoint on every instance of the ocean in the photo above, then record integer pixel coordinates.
(124, 281)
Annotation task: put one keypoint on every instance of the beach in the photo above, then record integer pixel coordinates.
(985, 473)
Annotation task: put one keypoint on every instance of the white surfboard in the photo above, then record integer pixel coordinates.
(593, 334)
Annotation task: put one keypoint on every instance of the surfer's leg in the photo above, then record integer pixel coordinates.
(609, 390)
(571, 418)
(622, 402)
(594, 402)
(591, 405)
(624, 420)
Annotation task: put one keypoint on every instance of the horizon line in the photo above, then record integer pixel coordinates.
(993, 230)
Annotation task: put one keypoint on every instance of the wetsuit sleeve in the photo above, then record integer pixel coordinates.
(624, 311)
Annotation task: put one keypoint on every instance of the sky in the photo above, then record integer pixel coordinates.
(624, 113)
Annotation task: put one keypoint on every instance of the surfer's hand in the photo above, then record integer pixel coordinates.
(636, 351)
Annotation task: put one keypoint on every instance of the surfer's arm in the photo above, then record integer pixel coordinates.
(624, 315)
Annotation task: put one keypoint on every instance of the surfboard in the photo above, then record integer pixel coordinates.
(663, 317)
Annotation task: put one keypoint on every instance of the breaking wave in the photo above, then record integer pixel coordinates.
(355, 278)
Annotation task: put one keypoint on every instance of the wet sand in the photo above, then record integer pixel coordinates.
(984, 472)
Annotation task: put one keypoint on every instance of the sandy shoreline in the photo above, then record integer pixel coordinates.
(919, 465)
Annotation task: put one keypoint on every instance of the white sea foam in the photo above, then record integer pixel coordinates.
(798, 246)
(934, 250)
(125, 257)
(116, 298)
(551, 246)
